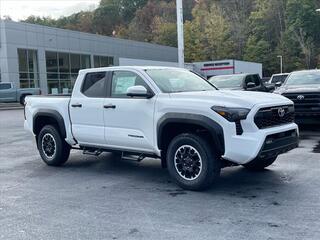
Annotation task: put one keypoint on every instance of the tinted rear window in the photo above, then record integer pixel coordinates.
(94, 85)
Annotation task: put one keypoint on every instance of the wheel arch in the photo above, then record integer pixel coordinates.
(46, 116)
(171, 121)
(23, 96)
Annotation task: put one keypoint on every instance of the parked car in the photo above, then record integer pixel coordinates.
(8, 93)
(167, 113)
(278, 79)
(247, 82)
(265, 79)
(303, 88)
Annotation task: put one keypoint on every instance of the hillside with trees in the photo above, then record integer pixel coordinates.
(252, 30)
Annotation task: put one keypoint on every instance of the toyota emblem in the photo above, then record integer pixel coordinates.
(300, 97)
(281, 112)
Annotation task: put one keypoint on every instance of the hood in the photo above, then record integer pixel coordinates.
(226, 98)
(232, 88)
(298, 88)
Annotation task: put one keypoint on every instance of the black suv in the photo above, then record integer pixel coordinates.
(303, 88)
(247, 82)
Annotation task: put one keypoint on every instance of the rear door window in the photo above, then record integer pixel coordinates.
(94, 85)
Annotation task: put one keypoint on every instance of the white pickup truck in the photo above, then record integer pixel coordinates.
(166, 113)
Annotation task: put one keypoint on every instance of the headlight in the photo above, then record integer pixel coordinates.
(232, 114)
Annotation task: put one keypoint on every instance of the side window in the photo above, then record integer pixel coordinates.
(94, 85)
(253, 79)
(256, 79)
(248, 79)
(122, 80)
(5, 86)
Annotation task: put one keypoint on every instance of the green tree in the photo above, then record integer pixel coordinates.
(267, 25)
(164, 32)
(303, 30)
(208, 34)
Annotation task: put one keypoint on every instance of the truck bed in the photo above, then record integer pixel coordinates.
(53, 104)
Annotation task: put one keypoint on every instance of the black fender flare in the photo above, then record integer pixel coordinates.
(212, 126)
(52, 114)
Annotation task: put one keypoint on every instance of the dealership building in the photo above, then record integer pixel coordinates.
(50, 58)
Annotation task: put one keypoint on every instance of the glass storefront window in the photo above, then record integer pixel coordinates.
(75, 63)
(52, 61)
(28, 68)
(64, 62)
(62, 70)
(22, 54)
(85, 61)
(103, 61)
(53, 86)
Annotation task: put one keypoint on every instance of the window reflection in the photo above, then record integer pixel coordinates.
(62, 70)
(28, 68)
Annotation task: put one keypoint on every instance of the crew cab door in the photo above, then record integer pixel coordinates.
(7, 93)
(128, 120)
(86, 109)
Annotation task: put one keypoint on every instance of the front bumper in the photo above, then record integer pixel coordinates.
(279, 143)
(268, 142)
(307, 118)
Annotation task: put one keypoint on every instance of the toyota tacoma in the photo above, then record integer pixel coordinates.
(166, 113)
(303, 88)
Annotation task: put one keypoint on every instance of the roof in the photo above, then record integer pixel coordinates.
(126, 68)
(237, 74)
(307, 71)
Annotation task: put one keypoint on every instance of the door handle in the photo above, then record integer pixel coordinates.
(76, 105)
(109, 106)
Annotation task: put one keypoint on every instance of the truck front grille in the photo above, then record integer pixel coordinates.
(305, 103)
(274, 116)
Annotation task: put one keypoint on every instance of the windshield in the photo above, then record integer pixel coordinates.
(302, 78)
(227, 81)
(279, 78)
(178, 80)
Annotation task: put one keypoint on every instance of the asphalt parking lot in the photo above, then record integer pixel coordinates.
(104, 198)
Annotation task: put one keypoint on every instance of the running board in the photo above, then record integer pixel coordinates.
(132, 157)
(92, 152)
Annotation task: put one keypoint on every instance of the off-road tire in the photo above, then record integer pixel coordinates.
(48, 136)
(210, 162)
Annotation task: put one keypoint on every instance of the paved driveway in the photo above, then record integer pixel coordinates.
(102, 198)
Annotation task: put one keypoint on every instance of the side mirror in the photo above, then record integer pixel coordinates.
(250, 85)
(270, 87)
(138, 91)
(278, 84)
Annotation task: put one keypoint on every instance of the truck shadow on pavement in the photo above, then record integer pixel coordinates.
(148, 175)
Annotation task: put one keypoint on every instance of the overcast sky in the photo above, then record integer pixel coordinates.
(21, 9)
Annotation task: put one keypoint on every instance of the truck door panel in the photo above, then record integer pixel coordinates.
(86, 110)
(130, 123)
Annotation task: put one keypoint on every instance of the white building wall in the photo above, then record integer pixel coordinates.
(144, 62)
(41, 38)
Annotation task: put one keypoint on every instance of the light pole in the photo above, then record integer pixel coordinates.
(180, 33)
(281, 63)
